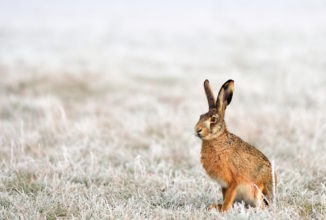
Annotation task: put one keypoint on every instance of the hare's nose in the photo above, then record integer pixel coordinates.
(198, 132)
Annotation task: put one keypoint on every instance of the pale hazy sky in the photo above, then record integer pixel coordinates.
(164, 15)
(41, 9)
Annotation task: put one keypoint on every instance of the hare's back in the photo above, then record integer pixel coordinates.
(246, 150)
(248, 159)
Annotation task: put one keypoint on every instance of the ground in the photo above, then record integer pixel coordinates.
(97, 121)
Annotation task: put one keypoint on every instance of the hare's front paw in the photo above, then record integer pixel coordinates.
(218, 207)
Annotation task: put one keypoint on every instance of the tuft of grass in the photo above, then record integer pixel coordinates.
(25, 182)
(54, 210)
(310, 210)
(5, 203)
(81, 180)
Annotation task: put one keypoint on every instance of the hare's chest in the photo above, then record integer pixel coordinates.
(213, 164)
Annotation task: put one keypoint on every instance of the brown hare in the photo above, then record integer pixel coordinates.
(244, 173)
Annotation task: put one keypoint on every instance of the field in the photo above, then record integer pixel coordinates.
(97, 114)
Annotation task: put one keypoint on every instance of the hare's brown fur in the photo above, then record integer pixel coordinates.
(243, 172)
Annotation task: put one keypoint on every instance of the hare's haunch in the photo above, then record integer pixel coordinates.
(244, 173)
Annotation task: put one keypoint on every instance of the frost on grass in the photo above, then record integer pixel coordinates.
(106, 130)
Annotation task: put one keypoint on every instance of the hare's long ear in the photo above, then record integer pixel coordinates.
(224, 97)
(209, 95)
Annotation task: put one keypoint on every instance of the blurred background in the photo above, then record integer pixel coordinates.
(98, 100)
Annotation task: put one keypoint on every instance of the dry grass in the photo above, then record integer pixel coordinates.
(100, 125)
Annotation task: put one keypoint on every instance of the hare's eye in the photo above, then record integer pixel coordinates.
(213, 119)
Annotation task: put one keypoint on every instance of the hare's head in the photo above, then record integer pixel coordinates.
(211, 124)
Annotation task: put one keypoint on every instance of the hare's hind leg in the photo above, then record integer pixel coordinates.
(251, 194)
(268, 193)
(259, 195)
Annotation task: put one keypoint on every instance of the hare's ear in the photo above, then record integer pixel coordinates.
(224, 97)
(209, 95)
